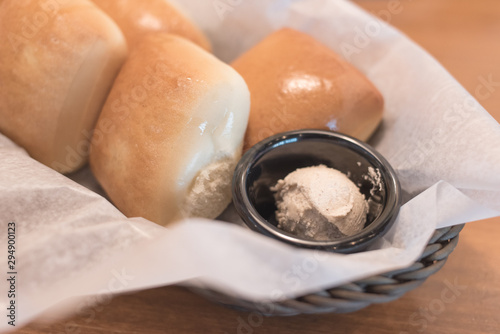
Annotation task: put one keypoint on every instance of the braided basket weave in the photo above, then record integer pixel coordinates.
(360, 294)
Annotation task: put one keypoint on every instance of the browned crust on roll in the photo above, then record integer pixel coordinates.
(297, 83)
(137, 18)
(58, 62)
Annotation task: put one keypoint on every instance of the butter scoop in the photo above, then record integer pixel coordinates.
(319, 203)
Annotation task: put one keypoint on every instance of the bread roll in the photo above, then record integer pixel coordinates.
(170, 134)
(137, 18)
(296, 83)
(58, 61)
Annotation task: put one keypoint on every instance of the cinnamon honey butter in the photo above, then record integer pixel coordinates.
(319, 203)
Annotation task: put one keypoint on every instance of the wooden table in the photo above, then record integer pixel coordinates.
(464, 36)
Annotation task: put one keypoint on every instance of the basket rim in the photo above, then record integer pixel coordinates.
(356, 295)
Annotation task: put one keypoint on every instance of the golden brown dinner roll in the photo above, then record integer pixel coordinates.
(296, 82)
(58, 61)
(137, 18)
(171, 131)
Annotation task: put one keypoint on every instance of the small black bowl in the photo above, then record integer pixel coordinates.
(275, 157)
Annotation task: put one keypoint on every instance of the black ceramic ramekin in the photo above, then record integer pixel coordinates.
(275, 157)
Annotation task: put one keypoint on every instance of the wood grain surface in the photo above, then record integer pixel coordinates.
(464, 36)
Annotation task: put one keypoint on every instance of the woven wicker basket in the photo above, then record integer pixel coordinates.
(360, 294)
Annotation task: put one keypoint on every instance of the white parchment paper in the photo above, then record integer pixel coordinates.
(74, 248)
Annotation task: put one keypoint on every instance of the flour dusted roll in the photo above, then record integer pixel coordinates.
(137, 18)
(171, 132)
(297, 82)
(58, 60)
